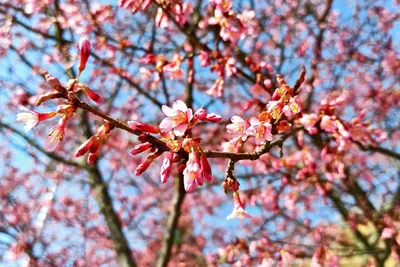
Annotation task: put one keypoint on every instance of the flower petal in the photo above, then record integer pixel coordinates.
(180, 129)
(237, 119)
(168, 111)
(179, 105)
(166, 124)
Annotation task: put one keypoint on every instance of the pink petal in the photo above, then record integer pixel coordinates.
(251, 130)
(50, 145)
(180, 129)
(168, 111)
(237, 119)
(231, 128)
(189, 114)
(254, 121)
(199, 180)
(166, 124)
(179, 105)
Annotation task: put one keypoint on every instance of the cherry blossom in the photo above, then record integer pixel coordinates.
(32, 118)
(238, 128)
(178, 118)
(238, 209)
(260, 130)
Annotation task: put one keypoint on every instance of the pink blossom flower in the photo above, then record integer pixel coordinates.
(56, 135)
(275, 109)
(143, 166)
(291, 108)
(178, 118)
(328, 124)
(260, 130)
(224, 5)
(217, 89)
(192, 174)
(342, 130)
(238, 209)
(229, 146)
(84, 53)
(174, 67)
(32, 118)
(201, 113)
(94, 150)
(230, 68)
(161, 19)
(94, 143)
(388, 233)
(238, 128)
(308, 121)
(166, 167)
(204, 58)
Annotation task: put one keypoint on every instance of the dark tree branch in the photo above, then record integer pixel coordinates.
(172, 223)
(32, 142)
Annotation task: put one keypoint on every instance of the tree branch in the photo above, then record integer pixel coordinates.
(179, 195)
(38, 147)
(377, 149)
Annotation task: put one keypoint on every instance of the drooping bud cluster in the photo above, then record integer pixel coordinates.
(197, 167)
(93, 144)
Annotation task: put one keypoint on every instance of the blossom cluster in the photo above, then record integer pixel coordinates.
(175, 132)
(177, 140)
(274, 119)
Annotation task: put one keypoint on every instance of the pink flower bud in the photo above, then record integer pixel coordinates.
(95, 97)
(140, 148)
(166, 167)
(201, 113)
(53, 82)
(84, 148)
(212, 117)
(206, 168)
(92, 157)
(143, 127)
(84, 53)
(143, 167)
(94, 150)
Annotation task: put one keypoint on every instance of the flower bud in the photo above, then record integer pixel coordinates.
(84, 148)
(166, 167)
(212, 117)
(143, 167)
(201, 113)
(140, 148)
(95, 97)
(53, 82)
(206, 168)
(143, 127)
(84, 53)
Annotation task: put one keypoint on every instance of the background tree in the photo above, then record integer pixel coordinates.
(294, 104)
